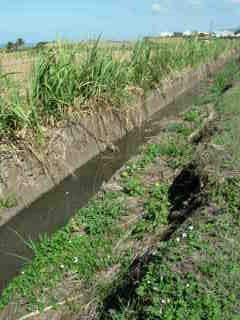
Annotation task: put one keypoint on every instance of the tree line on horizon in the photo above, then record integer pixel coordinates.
(11, 46)
(19, 44)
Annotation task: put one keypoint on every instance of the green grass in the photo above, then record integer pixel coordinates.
(229, 138)
(157, 205)
(174, 150)
(68, 79)
(81, 248)
(196, 274)
(133, 187)
(9, 202)
(192, 115)
(179, 128)
(85, 245)
(12, 110)
(149, 154)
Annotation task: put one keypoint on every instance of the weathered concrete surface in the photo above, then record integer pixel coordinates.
(28, 175)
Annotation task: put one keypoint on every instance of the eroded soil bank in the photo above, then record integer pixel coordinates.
(104, 263)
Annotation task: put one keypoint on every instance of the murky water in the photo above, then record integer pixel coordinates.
(53, 210)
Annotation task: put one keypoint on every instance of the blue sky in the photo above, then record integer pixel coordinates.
(116, 19)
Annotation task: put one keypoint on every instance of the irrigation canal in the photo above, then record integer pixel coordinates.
(53, 210)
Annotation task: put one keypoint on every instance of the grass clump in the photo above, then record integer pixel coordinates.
(179, 128)
(62, 80)
(148, 155)
(133, 187)
(13, 112)
(225, 78)
(8, 202)
(157, 205)
(192, 115)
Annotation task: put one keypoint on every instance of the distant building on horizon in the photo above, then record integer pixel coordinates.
(225, 34)
(166, 34)
(187, 33)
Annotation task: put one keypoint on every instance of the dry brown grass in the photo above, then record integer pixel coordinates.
(172, 40)
(18, 69)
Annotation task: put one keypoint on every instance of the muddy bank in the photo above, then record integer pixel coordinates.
(50, 185)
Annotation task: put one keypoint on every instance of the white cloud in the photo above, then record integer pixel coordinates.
(156, 7)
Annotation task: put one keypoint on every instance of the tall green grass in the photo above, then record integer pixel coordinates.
(14, 113)
(67, 77)
(61, 79)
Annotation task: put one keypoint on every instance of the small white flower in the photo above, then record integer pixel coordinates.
(62, 266)
(187, 285)
(178, 239)
(163, 301)
(22, 272)
(70, 241)
(190, 228)
(184, 235)
(75, 260)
